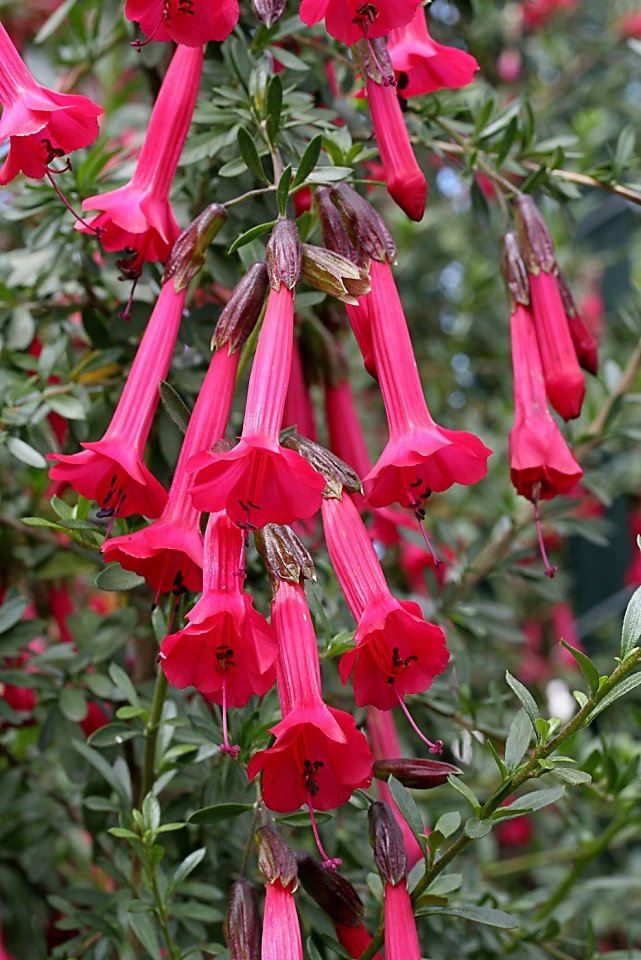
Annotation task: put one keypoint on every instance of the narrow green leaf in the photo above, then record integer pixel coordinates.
(11, 612)
(572, 776)
(308, 160)
(113, 577)
(282, 193)
(588, 669)
(249, 153)
(123, 833)
(151, 812)
(535, 800)
(73, 704)
(112, 734)
(143, 927)
(219, 811)
(518, 740)
(25, 452)
(274, 105)
(302, 819)
(626, 685)
(527, 700)
(174, 405)
(186, 867)
(407, 806)
(465, 792)
(251, 234)
(475, 829)
(124, 684)
(485, 915)
(483, 116)
(106, 771)
(448, 823)
(631, 630)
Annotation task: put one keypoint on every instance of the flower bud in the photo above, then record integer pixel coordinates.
(283, 554)
(415, 773)
(387, 841)
(331, 891)
(284, 255)
(338, 474)
(334, 274)
(188, 252)
(333, 229)
(584, 342)
(275, 859)
(514, 271)
(242, 310)
(268, 11)
(242, 922)
(534, 238)
(364, 225)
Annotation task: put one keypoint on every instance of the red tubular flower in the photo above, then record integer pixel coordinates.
(299, 410)
(421, 65)
(541, 464)
(259, 481)
(397, 652)
(281, 929)
(169, 552)
(191, 23)
(41, 124)
(111, 471)
(420, 456)
(351, 20)
(319, 757)
(406, 183)
(138, 217)
(401, 939)
(227, 650)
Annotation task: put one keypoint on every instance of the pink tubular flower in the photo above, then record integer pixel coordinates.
(227, 650)
(281, 929)
(541, 464)
(406, 182)
(351, 20)
(397, 652)
(420, 456)
(319, 757)
(421, 65)
(259, 481)
(169, 552)
(191, 23)
(401, 939)
(41, 125)
(299, 410)
(138, 216)
(111, 471)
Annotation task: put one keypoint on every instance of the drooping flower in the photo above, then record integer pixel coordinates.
(397, 651)
(41, 124)
(169, 552)
(351, 20)
(401, 939)
(259, 481)
(421, 65)
(420, 457)
(281, 938)
(112, 471)
(227, 650)
(190, 23)
(138, 217)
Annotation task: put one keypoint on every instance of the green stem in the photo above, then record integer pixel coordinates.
(160, 907)
(151, 735)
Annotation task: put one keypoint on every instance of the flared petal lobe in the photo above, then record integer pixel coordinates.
(348, 20)
(421, 65)
(191, 23)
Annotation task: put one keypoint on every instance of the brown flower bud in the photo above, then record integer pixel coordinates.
(268, 11)
(364, 225)
(188, 252)
(242, 310)
(275, 859)
(338, 474)
(331, 891)
(242, 922)
(415, 773)
(333, 274)
(387, 842)
(584, 343)
(514, 271)
(534, 238)
(284, 554)
(334, 232)
(284, 254)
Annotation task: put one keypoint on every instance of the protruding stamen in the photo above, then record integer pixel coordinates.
(226, 746)
(387, 79)
(549, 569)
(419, 513)
(96, 230)
(330, 863)
(435, 746)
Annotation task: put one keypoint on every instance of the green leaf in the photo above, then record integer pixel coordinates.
(625, 686)
(302, 819)
(308, 160)
(55, 21)
(106, 771)
(445, 884)
(282, 193)
(465, 792)
(112, 734)
(486, 915)
(143, 927)
(251, 234)
(73, 704)
(535, 800)
(631, 630)
(518, 740)
(123, 683)
(219, 811)
(174, 405)
(25, 452)
(151, 812)
(186, 867)
(624, 149)
(448, 823)
(274, 106)
(113, 577)
(11, 612)
(588, 669)
(69, 407)
(572, 776)
(476, 829)
(123, 833)
(527, 700)
(407, 806)
(249, 153)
